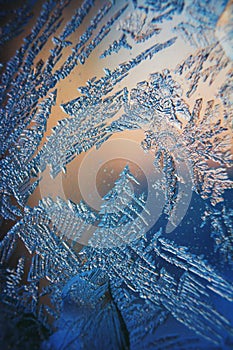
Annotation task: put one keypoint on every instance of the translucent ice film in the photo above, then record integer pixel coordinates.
(116, 175)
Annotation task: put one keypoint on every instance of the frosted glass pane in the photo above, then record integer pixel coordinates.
(116, 174)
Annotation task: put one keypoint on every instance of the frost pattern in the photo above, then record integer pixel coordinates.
(221, 230)
(18, 18)
(74, 277)
(201, 19)
(118, 221)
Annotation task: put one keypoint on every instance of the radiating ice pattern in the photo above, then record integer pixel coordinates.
(131, 256)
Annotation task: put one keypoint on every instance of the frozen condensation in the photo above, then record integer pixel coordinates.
(73, 277)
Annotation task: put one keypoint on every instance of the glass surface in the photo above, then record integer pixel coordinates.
(116, 174)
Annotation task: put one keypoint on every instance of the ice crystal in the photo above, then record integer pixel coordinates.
(87, 303)
(202, 19)
(221, 230)
(162, 289)
(75, 276)
(215, 60)
(116, 46)
(17, 22)
(225, 93)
